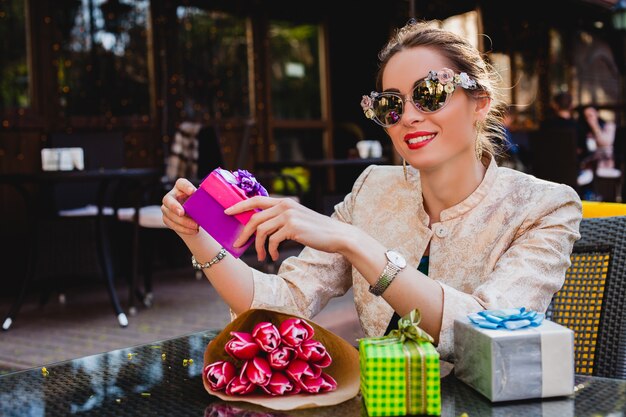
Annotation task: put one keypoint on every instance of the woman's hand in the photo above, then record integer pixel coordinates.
(284, 218)
(172, 208)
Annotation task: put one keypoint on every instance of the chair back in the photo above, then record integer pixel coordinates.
(603, 209)
(182, 157)
(592, 301)
(195, 152)
(553, 155)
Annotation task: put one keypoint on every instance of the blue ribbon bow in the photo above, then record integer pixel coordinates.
(507, 318)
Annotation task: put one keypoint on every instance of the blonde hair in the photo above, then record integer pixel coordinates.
(464, 57)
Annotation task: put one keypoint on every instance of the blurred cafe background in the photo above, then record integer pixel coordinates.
(183, 86)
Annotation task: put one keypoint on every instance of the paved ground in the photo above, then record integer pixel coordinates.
(86, 325)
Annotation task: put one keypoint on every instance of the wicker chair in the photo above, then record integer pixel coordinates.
(592, 301)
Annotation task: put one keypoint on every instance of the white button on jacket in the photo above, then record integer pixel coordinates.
(441, 231)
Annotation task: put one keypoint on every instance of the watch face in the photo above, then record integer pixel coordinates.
(395, 258)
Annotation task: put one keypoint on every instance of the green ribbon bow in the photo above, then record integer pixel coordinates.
(408, 329)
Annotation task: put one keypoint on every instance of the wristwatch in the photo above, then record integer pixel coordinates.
(395, 264)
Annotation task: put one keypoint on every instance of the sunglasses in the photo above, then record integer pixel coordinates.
(428, 95)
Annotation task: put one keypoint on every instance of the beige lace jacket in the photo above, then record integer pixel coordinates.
(507, 245)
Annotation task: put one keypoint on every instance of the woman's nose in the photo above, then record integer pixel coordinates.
(411, 113)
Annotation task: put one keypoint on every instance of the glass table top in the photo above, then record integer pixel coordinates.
(164, 379)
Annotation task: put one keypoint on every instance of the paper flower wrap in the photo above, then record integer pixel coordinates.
(218, 191)
(280, 361)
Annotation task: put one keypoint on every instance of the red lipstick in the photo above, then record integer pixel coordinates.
(417, 140)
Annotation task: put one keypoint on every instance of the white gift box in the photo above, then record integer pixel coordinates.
(504, 365)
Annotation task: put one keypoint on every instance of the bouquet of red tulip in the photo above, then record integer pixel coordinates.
(278, 360)
(265, 354)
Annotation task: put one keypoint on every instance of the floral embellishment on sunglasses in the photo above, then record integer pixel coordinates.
(428, 95)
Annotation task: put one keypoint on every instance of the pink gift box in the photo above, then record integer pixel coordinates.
(206, 206)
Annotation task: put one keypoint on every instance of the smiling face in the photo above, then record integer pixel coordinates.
(436, 140)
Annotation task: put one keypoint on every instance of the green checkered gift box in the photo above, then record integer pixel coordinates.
(400, 372)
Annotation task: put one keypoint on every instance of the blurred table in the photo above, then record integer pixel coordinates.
(164, 379)
(33, 187)
(323, 174)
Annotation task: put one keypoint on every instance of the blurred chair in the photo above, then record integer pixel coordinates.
(592, 301)
(553, 156)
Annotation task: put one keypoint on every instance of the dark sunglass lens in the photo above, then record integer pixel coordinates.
(429, 95)
(388, 109)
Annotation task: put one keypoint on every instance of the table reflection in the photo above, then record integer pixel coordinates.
(164, 378)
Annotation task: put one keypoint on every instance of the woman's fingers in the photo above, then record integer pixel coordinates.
(173, 211)
(274, 242)
(178, 228)
(274, 207)
(256, 202)
(273, 231)
(180, 224)
(171, 201)
(184, 185)
(284, 219)
(178, 194)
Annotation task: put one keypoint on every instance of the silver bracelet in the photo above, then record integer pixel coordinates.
(199, 266)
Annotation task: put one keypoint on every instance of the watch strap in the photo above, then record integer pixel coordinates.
(385, 279)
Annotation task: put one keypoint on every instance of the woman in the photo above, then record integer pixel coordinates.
(491, 237)
(600, 134)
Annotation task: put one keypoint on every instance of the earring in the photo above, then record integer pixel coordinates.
(478, 144)
(404, 169)
(479, 149)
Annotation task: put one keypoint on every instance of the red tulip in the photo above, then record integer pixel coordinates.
(280, 357)
(298, 369)
(241, 346)
(295, 331)
(257, 370)
(329, 383)
(317, 370)
(324, 361)
(266, 335)
(296, 388)
(240, 385)
(313, 385)
(311, 351)
(219, 374)
(279, 385)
